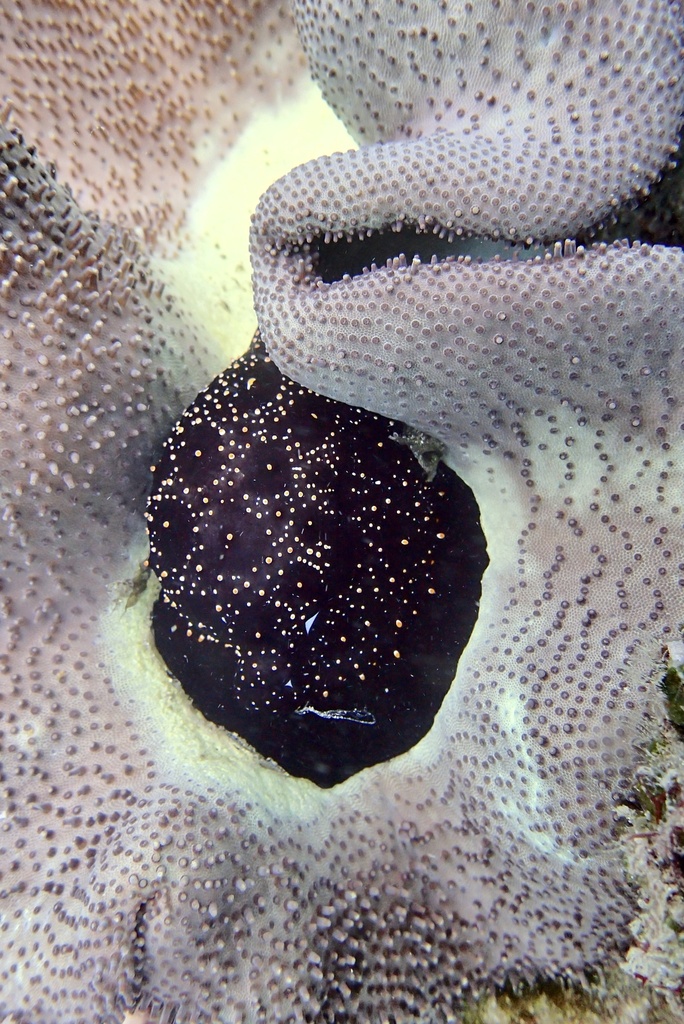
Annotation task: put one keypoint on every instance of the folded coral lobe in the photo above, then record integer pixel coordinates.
(408, 69)
(553, 385)
(545, 115)
(88, 343)
(386, 278)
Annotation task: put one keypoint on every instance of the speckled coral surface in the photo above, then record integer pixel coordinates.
(552, 382)
(86, 332)
(565, 418)
(497, 117)
(149, 860)
(137, 100)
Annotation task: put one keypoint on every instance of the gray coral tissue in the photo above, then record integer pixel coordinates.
(150, 861)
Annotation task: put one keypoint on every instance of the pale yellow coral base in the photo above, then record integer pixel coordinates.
(211, 272)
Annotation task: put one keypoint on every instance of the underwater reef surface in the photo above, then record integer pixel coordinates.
(151, 861)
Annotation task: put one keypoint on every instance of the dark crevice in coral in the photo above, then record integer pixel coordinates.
(655, 218)
(138, 943)
(159, 1011)
(335, 258)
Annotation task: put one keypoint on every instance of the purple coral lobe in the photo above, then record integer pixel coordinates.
(538, 114)
(149, 862)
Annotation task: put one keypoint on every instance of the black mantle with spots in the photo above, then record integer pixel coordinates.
(317, 589)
